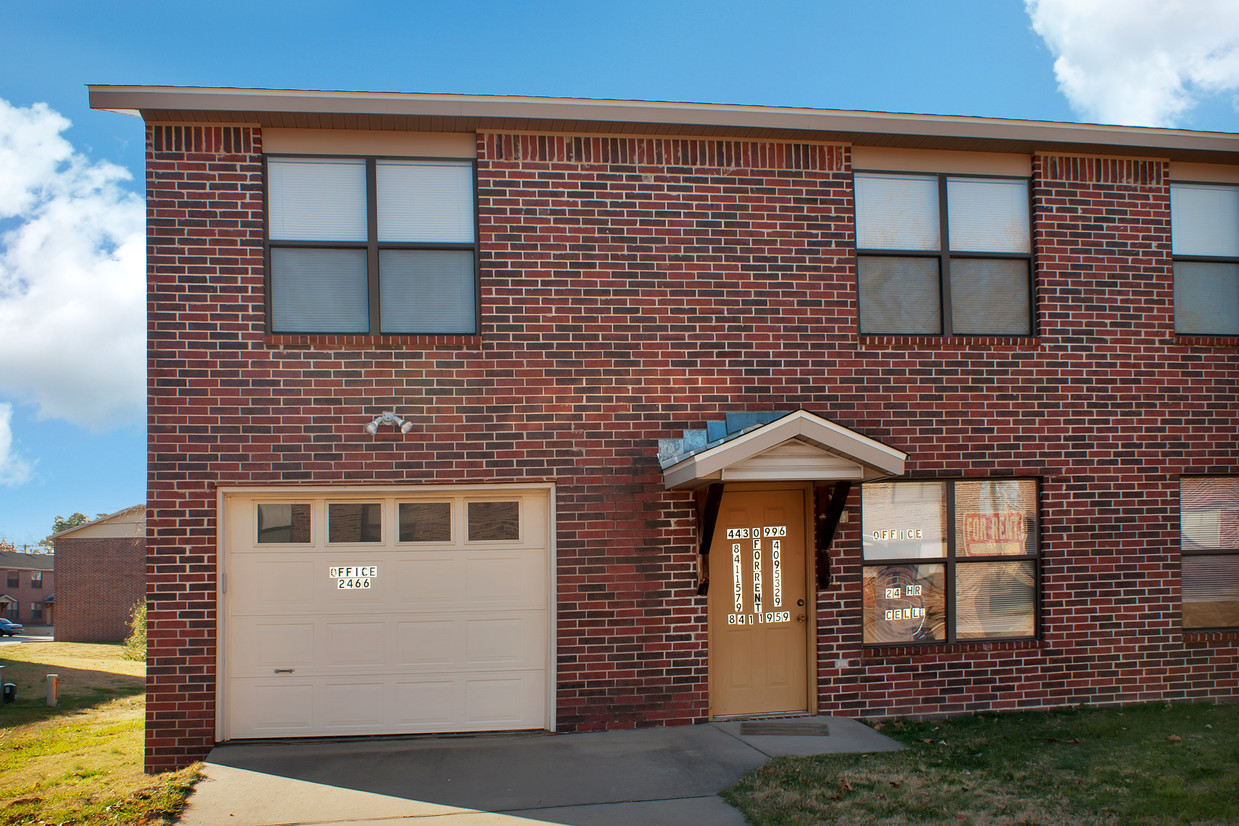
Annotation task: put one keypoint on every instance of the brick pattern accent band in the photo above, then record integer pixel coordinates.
(1118, 171)
(670, 152)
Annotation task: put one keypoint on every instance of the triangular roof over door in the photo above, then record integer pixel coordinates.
(775, 447)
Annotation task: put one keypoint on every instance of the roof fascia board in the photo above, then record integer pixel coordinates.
(135, 99)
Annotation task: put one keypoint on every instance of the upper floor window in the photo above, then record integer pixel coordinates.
(1204, 233)
(36, 579)
(949, 561)
(941, 254)
(371, 245)
(1209, 544)
(12, 579)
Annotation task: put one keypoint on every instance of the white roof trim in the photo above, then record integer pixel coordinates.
(874, 459)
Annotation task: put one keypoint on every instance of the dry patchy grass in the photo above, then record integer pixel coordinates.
(1154, 764)
(80, 762)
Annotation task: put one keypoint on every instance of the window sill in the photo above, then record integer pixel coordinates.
(324, 341)
(881, 340)
(931, 649)
(1189, 340)
(1221, 635)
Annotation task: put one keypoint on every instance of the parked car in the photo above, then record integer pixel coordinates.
(8, 628)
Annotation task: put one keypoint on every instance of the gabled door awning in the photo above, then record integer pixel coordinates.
(775, 447)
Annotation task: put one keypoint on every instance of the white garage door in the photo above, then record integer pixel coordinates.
(389, 613)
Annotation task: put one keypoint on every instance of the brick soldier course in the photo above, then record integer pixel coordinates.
(634, 286)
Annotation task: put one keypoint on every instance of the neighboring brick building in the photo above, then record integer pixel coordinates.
(101, 576)
(27, 585)
(952, 402)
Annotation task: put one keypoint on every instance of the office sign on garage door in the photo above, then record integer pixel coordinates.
(385, 613)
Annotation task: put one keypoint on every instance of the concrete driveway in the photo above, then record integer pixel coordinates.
(646, 776)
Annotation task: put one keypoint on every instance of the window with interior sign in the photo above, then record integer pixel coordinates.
(948, 561)
(1209, 545)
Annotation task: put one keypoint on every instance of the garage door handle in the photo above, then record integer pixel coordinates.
(283, 671)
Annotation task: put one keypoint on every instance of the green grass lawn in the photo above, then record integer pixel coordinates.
(1152, 764)
(81, 761)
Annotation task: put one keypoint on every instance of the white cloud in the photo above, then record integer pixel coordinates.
(1140, 62)
(72, 286)
(14, 470)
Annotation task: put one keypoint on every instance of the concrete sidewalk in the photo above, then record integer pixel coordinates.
(648, 776)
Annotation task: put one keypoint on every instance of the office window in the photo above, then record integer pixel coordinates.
(949, 561)
(36, 579)
(1209, 545)
(1204, 238)
(939, 254)
(368, 245)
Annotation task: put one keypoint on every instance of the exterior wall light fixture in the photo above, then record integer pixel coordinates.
(389, 417)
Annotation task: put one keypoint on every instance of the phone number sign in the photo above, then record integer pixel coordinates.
(353, 577)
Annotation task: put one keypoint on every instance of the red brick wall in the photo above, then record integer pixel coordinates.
(204, 311)
(633, 287)
(98, 581)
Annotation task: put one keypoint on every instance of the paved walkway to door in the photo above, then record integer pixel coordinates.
(647, 776)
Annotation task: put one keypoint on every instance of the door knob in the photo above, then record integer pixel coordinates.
(801, 618)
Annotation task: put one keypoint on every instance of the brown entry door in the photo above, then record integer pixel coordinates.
(759, 613)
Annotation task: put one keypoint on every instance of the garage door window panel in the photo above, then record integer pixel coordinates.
(1209, 544)
(283, 523)
(494, 521)
(354, 522)
(425, 521)
(984, 585)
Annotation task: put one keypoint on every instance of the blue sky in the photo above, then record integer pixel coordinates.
(72, 432)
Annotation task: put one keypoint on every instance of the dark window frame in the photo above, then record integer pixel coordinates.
(372, 245)
(951, 560)
(1197, 259)
(1201, 552)
(943, 255)
(13, 579)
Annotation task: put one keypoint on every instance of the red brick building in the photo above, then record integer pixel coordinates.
(482, 413)
(101, 576)
(29, 586)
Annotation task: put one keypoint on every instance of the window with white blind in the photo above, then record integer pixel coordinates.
(949, 561)
(942, 254)
(371, 246)
(1204, 237)
(1209, 551)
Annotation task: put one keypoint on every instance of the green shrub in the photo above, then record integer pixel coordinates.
(135, 643)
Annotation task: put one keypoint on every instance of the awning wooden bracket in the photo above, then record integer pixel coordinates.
(828, 504)
(707, 517)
